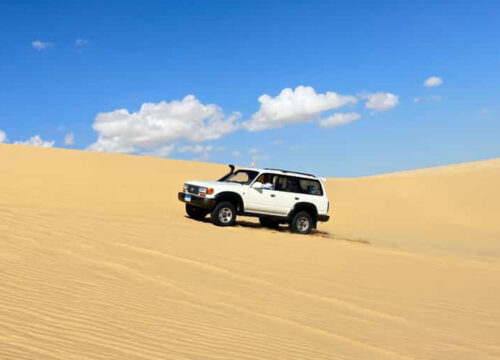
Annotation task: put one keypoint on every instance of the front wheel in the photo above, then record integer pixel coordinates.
(195, 212)
(302, 223)
(224, 214)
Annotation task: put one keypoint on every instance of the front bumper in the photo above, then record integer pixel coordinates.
(197, 201)
(323, 218)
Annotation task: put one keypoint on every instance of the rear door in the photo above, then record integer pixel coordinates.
(287, 189)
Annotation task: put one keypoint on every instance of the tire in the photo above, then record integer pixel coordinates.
(224, 214)
(302, 223)
(268, 223)
(195, 212)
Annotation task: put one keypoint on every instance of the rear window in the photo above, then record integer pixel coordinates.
(309, 186)
(286, 183)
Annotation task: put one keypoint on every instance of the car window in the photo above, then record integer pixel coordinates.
(286, 183)
(242, 176)
(267, 180)
(309, 186)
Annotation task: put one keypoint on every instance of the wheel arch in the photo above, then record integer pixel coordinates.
(233, 198)
(304, 206)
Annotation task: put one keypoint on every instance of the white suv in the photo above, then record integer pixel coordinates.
(274, 196)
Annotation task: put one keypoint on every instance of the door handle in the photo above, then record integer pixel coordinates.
(296, 198)
(272, 195)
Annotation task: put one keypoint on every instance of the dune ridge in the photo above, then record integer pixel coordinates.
(98, 261)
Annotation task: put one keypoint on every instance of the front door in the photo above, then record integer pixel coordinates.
(266, 199)
(263, 201)
(277, 197)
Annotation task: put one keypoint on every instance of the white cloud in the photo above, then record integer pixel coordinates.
(157, 124)
(81, 42)
(163, 151)
(32, 141)
(380, 101)
(69, 139)
(294, 106)
(431, 99)
(40, 45)
(36, 141)
(203, 152)
(256, 157)
(339, 119)
(278, 142)
(236, 153)
(113, 145)
(196, 149)
(433, 81)
(202, 157)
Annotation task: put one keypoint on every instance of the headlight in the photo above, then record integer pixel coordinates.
(185, 187)
(204, 190)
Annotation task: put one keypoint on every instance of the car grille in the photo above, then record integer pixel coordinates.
(193, 189)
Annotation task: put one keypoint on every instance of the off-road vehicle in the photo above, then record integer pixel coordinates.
(274, 196)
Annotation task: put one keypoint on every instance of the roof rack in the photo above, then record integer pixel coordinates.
(293, 172)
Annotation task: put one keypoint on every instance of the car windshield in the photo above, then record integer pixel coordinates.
(242, 177)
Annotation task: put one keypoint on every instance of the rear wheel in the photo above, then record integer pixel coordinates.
(224, 214)
(302, 223)
(196, 212)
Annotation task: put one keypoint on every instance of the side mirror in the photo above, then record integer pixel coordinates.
(257, 185)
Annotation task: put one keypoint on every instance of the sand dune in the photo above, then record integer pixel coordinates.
(451, 208)
(98, 261)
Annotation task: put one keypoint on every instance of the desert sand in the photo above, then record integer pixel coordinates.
(98, 261)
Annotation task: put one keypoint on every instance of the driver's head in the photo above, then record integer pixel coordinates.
(266, 179)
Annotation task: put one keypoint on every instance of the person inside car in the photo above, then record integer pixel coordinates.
(266, 181)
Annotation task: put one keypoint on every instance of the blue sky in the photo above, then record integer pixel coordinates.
(358, 65)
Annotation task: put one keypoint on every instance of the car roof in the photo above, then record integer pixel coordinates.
(282, 172)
